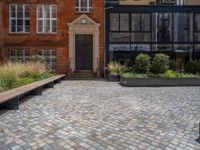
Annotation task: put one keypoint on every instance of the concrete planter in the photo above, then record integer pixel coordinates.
(113, 78)
(159, 82)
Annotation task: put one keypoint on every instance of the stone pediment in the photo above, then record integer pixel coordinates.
(83, 20)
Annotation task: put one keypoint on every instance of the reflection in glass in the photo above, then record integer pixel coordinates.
(183, 27)
(119, 37)
(162, 27)
(141, 47)
(162, 47)
(183, 48)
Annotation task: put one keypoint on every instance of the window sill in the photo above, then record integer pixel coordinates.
(19, 33)
(46, 34)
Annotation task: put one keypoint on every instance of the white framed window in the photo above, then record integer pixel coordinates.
(50, 57)
(84, 6)
(19, 18)
(21, 55)
(46, 18)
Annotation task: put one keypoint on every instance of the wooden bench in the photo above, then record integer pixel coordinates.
(10, 99)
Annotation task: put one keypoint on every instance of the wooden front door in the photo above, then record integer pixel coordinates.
(84, 52)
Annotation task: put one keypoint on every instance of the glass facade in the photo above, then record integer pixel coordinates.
(174, 30)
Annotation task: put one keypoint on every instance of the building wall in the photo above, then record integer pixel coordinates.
(192, 2)
(60, 41)
(136, 2)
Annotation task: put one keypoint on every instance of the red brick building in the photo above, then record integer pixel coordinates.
(68, 33)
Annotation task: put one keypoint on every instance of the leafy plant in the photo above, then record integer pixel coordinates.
(135, 75)
(160, 63)
(115, 68)
(142, 63)
(172, 65)
(171, 74)
(193, 67)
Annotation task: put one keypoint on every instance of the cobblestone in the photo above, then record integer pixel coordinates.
(104, 116)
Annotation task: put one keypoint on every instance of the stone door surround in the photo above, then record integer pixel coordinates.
(84, 25)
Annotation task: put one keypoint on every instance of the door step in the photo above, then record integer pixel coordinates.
(83, 75)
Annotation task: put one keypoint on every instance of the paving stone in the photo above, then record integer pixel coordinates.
(99, 115)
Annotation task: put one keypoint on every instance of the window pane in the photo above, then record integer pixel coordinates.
(13, 25)
(54, 11)
(119, 47)
(83, 3)
(197, 22)
(162, 31)
(135, 22)
(145, 22)
(140, 37)
(183, 27)
(119, 37)
(114, 22)
(162, 47)
(39, 9)
(183, 48)
(124, 22)
(27, 13)
(197, 37)
(13, 11)
(141, 47)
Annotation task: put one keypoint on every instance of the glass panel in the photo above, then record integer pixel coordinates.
(20, 11)
(27, 14)
(119, 47)
(197, 22)
(140, 37)
(145, 22)
(197, 37)
(13, 11)
(162, 28)
(39, 9)
(114, 22)
(141, 47)
(162, 47)
(54, 12)
(124, 22)
(183, 47)
(119, 37)
(183, 27)
(197, 47)
(135, 22)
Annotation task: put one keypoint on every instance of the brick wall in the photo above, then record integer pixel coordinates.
(60, 41)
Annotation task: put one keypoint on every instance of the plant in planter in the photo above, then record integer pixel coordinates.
(160, 64)
(115, 69)
(142, 63)
(193, 67)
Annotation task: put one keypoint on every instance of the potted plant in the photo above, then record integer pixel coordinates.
(115, 69)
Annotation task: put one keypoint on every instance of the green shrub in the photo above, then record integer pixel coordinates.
(41, 75)
(171, 74)
(7, 80)
(173, 65)
(1, 89)
(186, 75)
(135, 75)
(160, 63)
(193, 67)
(142, 63)
(23, 81)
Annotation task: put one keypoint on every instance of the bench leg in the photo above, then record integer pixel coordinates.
(58, 81)
(50, 85)
(37, 91)
(12, 104)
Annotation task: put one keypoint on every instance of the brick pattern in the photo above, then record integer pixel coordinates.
(65, 14)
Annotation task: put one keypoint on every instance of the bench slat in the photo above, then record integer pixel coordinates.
(10, 94)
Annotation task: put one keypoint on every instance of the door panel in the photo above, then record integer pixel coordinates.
(84, 52)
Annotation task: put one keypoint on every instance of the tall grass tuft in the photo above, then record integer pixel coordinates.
(12, 73)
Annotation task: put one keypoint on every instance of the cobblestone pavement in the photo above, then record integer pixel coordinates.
(101, 115)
